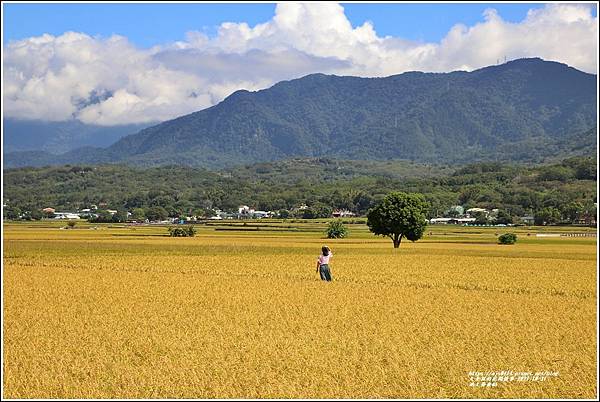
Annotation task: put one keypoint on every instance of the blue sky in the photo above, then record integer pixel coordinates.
(150, 24)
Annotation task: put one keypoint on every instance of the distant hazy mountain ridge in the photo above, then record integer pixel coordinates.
(61, 137)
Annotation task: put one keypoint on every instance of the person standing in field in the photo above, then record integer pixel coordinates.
(323, 263)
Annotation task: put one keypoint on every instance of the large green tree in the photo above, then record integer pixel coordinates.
(399, 215)
(572, 210)
(11, 212)
(156, 213)
(547, 216)
(120, 216)
(138, 214)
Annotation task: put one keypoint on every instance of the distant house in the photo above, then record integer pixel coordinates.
(48, 210)
(472, 211)
(66, 215)
(261, 214)
(528, 220)
(462, 221)
(443, 221)
(451, 221)
(587, 219)
(223, 215)
(340, 213)
(245, 212)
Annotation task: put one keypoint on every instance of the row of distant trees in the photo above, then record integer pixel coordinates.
(158, 213)
(571, 213)
(398, 216)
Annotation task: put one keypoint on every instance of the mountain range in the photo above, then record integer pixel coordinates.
(57, 137)
(524, 110)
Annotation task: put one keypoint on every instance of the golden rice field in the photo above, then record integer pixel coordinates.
(124, 312)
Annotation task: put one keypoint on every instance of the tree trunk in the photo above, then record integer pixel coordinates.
(397, 239)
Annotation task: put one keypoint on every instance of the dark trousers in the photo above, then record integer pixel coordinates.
(325, 273)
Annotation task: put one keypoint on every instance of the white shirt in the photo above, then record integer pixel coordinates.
(324, 259)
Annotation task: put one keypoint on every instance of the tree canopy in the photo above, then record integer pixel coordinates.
(399, 215)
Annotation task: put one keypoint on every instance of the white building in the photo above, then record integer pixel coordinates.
(340, 213)
(245, 211)
(66, 215)
(451, 221)
(472, 211)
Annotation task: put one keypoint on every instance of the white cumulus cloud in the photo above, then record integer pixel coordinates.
(109, 81)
